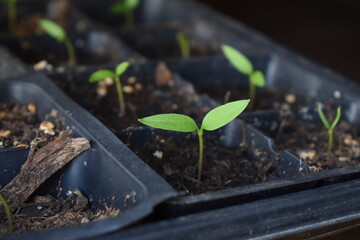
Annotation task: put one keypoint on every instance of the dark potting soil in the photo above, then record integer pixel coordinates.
(310, 142)
(222, 167)
(266, 98)
(44, 212)
(143, 97)
(19, 125)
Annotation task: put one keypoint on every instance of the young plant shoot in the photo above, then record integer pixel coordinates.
(216, 118)
(12, 14)
(244, 66)
(103, 74)
(127, 7)
(57, 32)
(183, 44)
(6, 208)
(329, 127)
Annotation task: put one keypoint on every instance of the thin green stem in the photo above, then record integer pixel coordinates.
(201, 152)
(129, 19)
(252, 93)
(121, 96)
(71, 51)
(12, 15)
(8, 213)
(185, 51)
(330, 143)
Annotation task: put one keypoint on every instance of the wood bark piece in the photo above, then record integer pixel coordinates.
(40, 166)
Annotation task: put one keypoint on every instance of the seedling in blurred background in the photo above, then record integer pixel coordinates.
(57, 32)
(244, 66)
(183, 44)
(12, 14)
(329, 127)
(6, 208)
(216, 118)
(103, 74)
(127, 7)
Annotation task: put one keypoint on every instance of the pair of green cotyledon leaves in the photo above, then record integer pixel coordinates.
(243, 65)
(216, 118)
(126, 6)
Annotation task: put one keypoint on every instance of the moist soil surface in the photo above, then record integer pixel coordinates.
(44, 212)
(310, 142)
(143, 97)
(19, 125)
(177, 161)
(265, 99)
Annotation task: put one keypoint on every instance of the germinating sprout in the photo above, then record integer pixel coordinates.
(57, 32)
(103, 74)
(328, 126)
(7, 212)
(183, 44)
(12, 14)
(243, 65)
(216, 118)
(127, 7)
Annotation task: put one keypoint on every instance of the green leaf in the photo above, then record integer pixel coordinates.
(237, 59)
(53, 29)
(118, 8)
(337, 118)
(171, 121)
(132, 4)
(258, 79)
(101, 75)
(223, 114)
(121, 68)
(323, 118)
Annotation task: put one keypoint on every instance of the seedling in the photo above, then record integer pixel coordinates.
(244, 66)
(103, 74)
(183, 44)
(57, 32)
(7, 212)
(12, 14)
(127, 7)
(329, 127)
(213, 120)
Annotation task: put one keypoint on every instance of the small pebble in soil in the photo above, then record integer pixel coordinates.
(158, 154)
(128, 89)
(307, 154)
(101, 89)
(131, 80)
(31, 107)
(4, 133)
(290, 98)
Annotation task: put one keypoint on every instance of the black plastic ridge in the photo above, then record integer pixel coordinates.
(150, 189)
(270, 218)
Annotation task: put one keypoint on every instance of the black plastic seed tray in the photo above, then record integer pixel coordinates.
(274, 208)
(105, 173)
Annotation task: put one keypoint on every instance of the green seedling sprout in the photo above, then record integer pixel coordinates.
(7, 212)
(127, 8)
(216, 118)
(12, 14)
(244, 66)
(183, 44)
(57, 32)
(329, 127)
(103, 74)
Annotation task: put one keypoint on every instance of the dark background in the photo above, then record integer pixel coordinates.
(325, 31)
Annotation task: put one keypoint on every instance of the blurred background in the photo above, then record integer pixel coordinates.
(325, 31)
